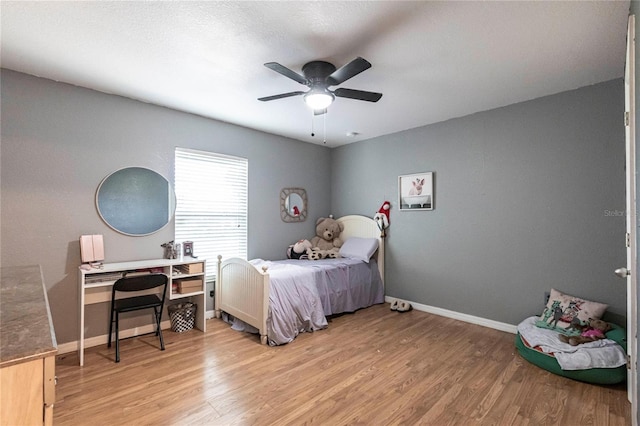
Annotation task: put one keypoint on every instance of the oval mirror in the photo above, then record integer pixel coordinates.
(293, 204)
(135, 201)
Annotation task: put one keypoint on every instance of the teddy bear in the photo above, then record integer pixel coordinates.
(327, 242)
(595, 330)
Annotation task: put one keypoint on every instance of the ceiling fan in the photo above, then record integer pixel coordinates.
(319, 76)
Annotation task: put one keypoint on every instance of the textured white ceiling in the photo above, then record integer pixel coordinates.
(431, 60)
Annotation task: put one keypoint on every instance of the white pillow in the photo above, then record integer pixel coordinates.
(359, 248)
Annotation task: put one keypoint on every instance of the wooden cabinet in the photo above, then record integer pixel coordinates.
(27, 392)
(27, 349)
(186, 281)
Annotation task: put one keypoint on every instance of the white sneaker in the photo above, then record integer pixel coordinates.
(404, 307)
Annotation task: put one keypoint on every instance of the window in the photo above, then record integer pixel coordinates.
(211, 205)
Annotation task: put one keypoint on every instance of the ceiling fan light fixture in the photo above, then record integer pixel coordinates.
(318, 98)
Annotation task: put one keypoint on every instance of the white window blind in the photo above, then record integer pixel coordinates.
(211, 205)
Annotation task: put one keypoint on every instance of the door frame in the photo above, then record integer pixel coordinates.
(631, 220)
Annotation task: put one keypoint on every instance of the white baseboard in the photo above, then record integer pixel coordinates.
(502, 326)
(89, 342)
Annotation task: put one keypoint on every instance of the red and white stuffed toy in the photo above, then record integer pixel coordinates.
(382, 217)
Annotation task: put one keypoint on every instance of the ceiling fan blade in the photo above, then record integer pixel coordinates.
(319, 111)
(280, 96)
(360, 95)
(281, 69)
(352, 69)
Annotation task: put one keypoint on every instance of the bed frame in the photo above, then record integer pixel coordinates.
(242, 290)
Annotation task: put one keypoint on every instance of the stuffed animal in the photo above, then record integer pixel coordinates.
(595, 330)
(382, 217)
(298, 250)
(327, 241)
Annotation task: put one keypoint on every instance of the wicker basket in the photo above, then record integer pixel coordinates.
(183, 316)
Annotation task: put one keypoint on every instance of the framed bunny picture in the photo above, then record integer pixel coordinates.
(415, 192)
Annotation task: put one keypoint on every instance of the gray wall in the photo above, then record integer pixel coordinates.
(527, 197)
(60, 141)
(522, 193)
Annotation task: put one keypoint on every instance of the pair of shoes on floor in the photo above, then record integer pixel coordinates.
(400, 306)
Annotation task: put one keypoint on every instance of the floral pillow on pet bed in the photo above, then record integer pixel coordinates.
(569, 314)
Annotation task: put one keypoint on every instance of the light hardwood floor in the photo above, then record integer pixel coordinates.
(374, 367)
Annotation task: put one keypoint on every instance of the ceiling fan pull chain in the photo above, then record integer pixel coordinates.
(324, 122)
(312, 120)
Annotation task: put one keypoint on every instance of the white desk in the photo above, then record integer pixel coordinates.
(95, 285)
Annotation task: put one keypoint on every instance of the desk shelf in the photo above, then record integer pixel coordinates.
(100, 284)
(96, 283)
(187, 284)
(182, 295)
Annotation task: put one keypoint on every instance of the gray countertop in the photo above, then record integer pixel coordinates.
(26, 328)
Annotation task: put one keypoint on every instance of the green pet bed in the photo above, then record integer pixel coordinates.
(600, 376)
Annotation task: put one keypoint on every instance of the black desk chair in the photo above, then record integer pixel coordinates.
(147, 301)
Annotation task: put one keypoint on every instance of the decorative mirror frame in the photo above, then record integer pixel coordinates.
(285, 215)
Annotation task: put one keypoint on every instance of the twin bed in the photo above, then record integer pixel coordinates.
(283, 298)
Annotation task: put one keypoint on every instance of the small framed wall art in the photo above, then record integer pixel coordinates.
(415, 192)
